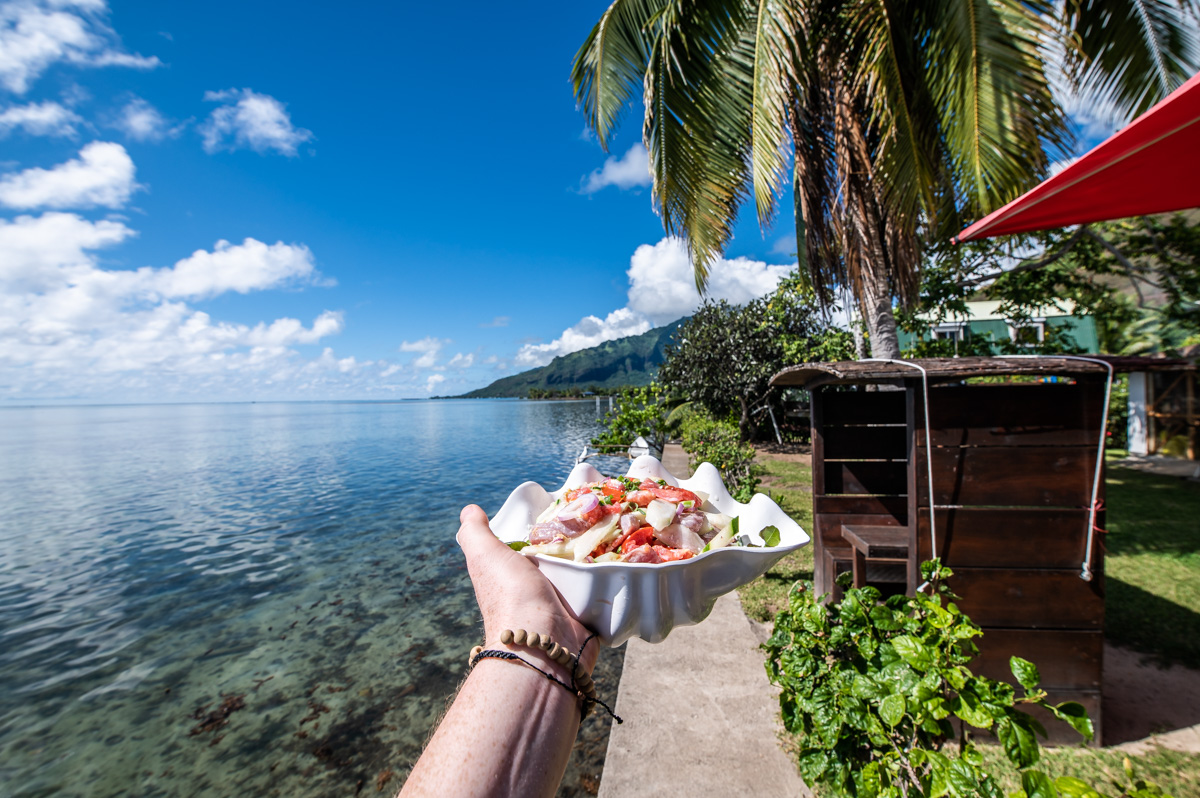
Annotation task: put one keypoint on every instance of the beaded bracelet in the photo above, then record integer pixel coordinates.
(581, 681)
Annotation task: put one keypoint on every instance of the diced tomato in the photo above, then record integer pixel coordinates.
(670, 555)
(639, 537)
(575, 493)
(670, 494)
(615, 491)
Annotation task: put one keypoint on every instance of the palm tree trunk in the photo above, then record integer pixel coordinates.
(877, 311)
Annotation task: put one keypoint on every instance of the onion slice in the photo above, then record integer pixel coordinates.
(584, 503)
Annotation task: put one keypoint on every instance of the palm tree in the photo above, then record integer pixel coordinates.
(900, 117)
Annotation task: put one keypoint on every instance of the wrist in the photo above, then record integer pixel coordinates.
(556, 653)
(567, 632)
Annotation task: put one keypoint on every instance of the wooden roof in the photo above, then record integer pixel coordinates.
(953, 369)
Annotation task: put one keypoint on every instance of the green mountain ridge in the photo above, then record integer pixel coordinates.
(608, 366)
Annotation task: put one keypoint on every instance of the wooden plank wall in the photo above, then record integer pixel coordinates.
(861, 443)
(1012, 474)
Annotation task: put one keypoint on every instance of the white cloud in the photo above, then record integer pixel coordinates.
(590, 331)
(461, 361)
(40, 119)
(141, 121)
(632, 169)
(35, 34)
(785, 246)
(249, 266)
(68, 325)
(661, 290)
(102, 175)
(662, 287)
(433, 381)
(429, 348)
(499, 321)
(250, 120)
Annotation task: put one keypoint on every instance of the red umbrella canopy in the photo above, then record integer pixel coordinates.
(1152, 165)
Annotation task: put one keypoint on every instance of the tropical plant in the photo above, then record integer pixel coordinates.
(901, 118)
(710, 440)
(1139, 279)
(873, 687)
(724, 356)
(638, 411)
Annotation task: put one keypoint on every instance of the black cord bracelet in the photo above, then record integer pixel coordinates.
(581, 684)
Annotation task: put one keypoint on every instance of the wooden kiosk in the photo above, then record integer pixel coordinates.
(1013, 467)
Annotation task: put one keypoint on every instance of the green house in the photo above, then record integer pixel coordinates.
(984, 320)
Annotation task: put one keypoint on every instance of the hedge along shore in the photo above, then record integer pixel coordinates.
(700, 716)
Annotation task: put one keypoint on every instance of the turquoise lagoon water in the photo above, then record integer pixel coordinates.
(256, 599)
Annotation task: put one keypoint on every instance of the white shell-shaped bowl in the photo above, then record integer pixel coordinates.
(648, 600)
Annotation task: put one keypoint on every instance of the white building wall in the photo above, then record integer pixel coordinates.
(1138, 425)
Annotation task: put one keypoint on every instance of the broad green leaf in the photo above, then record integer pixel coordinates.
(866, 687)
(1037, 785)
(770, 536)
(1020, 746)
(962, 778)
(870, 782)
(937, 707)
(912, 650)
(1075, 788)
(517, 545)
(939, 768)
(1075, 714)
(891, 709)
(1026, 673)
(967, 707)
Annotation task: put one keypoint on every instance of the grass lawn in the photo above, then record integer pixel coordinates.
(1153, 565)
(1152, 602)
(789, 484)
(1176, 773)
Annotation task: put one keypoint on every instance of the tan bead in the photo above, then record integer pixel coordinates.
(519, 637)
(506, 636)
(553, 650)
(533, 640)
(563, 657)
(475, 653)
(546, 642)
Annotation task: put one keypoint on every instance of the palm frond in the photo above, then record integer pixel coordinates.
(698, 92)
(608, 69)
(881, 55)
(777, 24)
(996, 110)
(815, 186)
(1130, 53)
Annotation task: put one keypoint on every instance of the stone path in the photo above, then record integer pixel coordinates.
(700, 717)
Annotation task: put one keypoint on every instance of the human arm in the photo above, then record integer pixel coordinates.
(510, 729)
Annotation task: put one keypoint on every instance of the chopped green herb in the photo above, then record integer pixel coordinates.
(517, 545)
(606, 499)
(662, 483)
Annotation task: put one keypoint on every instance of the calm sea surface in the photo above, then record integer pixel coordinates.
(250, 599)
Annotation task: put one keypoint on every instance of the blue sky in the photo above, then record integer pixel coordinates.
(259, 201)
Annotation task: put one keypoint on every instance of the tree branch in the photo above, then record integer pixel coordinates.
(1131, 271)
(1031, 265)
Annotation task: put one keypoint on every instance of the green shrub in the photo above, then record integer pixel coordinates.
(708, 440)
(640, 410)
(871, 687)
